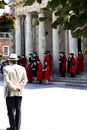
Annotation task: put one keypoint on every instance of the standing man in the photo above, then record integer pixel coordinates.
(80, 62)
(48, 58)
(46, 71)
(62, 64)
(15, 79)
(39, 71)
(72, 68)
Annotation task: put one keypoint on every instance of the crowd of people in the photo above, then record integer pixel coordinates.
(40, 72)
(35, 69)
(71, 65)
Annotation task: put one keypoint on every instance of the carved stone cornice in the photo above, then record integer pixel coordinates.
(20, 9)
(16, 3)
(20, 2)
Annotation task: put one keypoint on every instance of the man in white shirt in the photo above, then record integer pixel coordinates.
(15, 79)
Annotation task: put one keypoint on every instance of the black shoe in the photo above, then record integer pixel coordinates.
(10, 129)
(40, 82)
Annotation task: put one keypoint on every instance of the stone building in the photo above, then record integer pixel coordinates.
(30, 38)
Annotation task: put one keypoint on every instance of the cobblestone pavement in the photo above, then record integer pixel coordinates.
(49, 107)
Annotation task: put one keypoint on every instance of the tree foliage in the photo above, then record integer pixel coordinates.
(7, 22)
(71, 15)
(2, 4)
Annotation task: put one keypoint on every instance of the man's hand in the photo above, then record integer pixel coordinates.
(17, 89)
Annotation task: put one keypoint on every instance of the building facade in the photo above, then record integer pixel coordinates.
(30, 38)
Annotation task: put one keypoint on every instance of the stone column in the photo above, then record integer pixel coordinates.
(42, 38)
(67, 43)
(18, 36)
(73, 44)
(28, 35)
(22, 36)
(55, 46)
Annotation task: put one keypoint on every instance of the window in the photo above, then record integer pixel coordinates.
(4, 35)
(5, 50)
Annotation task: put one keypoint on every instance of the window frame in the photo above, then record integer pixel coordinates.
(4, 54)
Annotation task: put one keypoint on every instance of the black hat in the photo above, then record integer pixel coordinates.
(62, 52)
(46, 52)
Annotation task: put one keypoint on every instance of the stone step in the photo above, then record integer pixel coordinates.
(79, 79)
(77, 85)
(70, 85)
(68, 81)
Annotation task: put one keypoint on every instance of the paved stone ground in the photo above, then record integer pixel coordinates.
(1, 77)
(49, 107)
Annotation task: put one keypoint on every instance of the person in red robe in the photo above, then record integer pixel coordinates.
(80, 62)
(72, 68)
(34, 70)
(46, 71)
(35, 56)
(29, 73)
(62, 64)
(19, 60)
(30, 58)
(48, 58)
(23, 61)
(39, 71)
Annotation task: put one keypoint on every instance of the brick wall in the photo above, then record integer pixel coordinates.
(4, 42)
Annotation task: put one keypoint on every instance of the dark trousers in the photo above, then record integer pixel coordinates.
(63, 74)
(14, 111)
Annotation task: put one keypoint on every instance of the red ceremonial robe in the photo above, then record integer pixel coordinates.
(80, 63)
(47, 73)
(62, 66)
(39, 71)
(50, 62)
(29, 72)
(48, 58)
(73, 65)
(23, 62)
